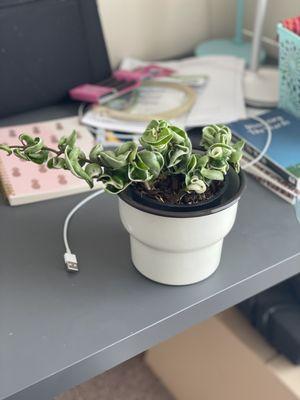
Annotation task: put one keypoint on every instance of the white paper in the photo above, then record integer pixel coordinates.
(221, 100)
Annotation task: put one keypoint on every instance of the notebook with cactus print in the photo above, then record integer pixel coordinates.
(24, 182)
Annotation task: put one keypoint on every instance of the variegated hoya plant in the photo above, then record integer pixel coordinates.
(165, 150)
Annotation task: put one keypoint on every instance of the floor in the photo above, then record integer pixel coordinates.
(131, 380)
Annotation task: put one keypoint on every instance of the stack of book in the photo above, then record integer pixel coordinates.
(279, 168)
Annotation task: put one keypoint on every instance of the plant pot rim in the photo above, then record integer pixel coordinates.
(235, 188)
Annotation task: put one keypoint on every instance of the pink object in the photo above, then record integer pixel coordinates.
(89, 93)
(293, 24)
(130, 88)
(150, 71)
(94, 93)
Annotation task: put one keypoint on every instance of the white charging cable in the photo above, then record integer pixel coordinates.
(69, 257)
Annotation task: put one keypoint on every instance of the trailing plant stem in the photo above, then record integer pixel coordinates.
(57, 152)
(165, 153)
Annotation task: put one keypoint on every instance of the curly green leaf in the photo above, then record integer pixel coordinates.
(95, 152)
(195, 184)
(6, 148)
(93, 170)
(212, 174)
(72, 163)
(56, 163)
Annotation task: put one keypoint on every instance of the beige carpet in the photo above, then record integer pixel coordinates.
(131, 380)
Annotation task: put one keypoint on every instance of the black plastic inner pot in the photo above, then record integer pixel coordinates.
(229, 194)
(136, 195)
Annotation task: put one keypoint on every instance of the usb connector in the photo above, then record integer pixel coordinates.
(69, 257)
(71, 262)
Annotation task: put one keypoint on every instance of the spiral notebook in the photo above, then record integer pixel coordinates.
(24, 182)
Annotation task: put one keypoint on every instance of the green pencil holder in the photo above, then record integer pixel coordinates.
(289, 70)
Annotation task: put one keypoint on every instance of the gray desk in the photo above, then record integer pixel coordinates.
(57, 329)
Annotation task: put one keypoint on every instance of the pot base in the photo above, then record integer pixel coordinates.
(179, 268)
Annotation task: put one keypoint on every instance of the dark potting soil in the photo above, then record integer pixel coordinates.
(169, 190)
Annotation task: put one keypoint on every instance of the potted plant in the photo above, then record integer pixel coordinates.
(177, 203)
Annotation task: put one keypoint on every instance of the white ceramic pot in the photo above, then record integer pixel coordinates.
(176, 251)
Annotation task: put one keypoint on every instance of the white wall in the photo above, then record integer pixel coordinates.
(158, 29)
(277, 11)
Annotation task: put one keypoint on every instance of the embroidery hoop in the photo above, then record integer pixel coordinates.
(185, 106)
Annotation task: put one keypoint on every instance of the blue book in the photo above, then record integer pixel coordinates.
(283, 155)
